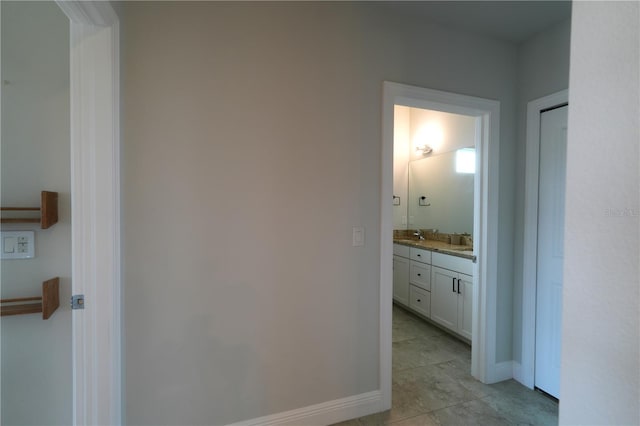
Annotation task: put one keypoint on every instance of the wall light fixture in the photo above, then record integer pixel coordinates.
(424, 149)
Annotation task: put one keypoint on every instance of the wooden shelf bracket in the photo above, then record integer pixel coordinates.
(47, 304)
(48, 211)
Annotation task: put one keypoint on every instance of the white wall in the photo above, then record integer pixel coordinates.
(455, 130)
(600, 381)
(36, 354)
(543, 69)
(251, 147)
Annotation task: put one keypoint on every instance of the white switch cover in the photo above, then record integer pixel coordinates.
(18, 244)
(358, 236)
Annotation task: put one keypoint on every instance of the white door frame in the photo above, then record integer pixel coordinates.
(525, 372)
(484, 366)
(95, 210)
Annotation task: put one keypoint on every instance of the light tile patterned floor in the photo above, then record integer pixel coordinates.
(432, 385)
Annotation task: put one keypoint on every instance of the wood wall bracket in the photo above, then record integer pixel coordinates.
(48, 211)
(47, 304)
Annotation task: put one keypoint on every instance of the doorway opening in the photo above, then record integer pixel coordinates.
(485, 115)
(92, 92)
(433, 187)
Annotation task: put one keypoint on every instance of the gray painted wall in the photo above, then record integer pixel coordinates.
(36, 355)
(543, 69)
(251, 147)
(601, 315)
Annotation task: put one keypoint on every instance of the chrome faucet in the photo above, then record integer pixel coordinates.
(418, 234)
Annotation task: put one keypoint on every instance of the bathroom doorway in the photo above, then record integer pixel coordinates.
(485, 115)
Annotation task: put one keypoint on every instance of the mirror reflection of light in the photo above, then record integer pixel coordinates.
(466, 160)
(430, 135)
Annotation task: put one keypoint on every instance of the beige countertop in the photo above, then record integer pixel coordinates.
(438, 246)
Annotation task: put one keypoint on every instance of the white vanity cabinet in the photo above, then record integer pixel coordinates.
(401, 266)
(435, 285)
(420, 281)
(452, 293)
(465, 302)
(412, 278)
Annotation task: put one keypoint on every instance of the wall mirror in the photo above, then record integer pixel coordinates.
(441, 191)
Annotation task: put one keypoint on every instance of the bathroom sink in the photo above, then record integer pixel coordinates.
(433, 245)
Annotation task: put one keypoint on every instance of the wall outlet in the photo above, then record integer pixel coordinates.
(18, 244)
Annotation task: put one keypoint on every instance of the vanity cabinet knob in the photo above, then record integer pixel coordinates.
(419, 275)
(419, 300)
(458, 285)
(453, 285)
(419, 255)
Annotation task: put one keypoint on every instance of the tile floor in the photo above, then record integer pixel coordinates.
(432, 385)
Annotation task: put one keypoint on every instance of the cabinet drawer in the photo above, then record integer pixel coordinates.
(400, 250)
(401, 279)
(420, 275)
(420, 300)
(420, 255)
(453, 263)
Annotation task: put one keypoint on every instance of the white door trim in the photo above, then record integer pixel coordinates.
(95, 211)
(484, 366)
(525, 372)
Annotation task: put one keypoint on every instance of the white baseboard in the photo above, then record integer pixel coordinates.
(501, 371)
(517, 372)
(322, 414)
(521, 375)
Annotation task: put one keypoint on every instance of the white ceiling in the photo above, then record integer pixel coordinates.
(513, 21)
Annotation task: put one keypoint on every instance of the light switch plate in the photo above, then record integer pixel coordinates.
(358, 236)
(17, 244)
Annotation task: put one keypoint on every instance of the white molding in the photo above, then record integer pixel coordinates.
(526, 370)
(93, 13)
(322, 414)
(503, 371)
(95, 209)
(517, 371)
(386, 245)
(484, 366)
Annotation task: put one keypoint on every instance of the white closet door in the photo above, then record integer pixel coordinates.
(551, 197)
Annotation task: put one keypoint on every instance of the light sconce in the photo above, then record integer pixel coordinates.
(427, 138)
(424, 149)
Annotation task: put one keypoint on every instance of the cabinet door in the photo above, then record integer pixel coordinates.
(465, 299)
(444, 297)
(401, 280)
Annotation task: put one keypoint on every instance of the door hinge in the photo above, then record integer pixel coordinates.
(77, 301)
